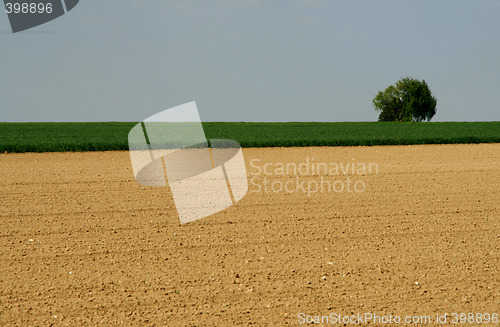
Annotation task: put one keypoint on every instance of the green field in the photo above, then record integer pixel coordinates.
(56, 137)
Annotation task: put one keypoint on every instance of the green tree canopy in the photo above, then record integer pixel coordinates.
(407, 100)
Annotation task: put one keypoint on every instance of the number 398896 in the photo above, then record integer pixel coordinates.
(28, 8)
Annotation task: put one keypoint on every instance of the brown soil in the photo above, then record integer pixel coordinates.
(81, 243)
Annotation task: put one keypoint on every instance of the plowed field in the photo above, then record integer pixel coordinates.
(81, 243)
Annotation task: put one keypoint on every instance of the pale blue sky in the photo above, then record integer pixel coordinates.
(250, 60)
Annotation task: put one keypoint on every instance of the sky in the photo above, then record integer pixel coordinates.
(250, 60)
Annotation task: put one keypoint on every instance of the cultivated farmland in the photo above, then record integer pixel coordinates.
(60, 137)
(81, 243)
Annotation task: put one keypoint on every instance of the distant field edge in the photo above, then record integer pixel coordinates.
(113, 136)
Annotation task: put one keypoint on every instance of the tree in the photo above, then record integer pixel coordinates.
(407, 100)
